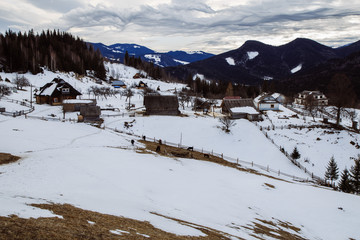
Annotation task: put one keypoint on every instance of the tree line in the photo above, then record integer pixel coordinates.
(150, 68)
(23, 52)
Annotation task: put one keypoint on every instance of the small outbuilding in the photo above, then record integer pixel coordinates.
(157, 104)
(55, 92)
(90, 113)
(74, 105)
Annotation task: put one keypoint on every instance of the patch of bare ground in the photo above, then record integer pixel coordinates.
(83, 224)
(6, 158)
(263, 229)
(175, 152)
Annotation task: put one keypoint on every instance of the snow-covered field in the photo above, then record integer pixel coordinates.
(99, 170)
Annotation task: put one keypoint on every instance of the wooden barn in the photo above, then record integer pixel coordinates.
(74, 105)
(156, 104)
(55, 92)
(90, 113)
(239, 108)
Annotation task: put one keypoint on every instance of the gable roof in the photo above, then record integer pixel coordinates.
(265, 98)
(161, 105)
(55, 87)
(228, 104)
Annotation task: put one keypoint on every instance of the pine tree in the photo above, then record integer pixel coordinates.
(295, 154)
(345, 182)
(355, 175)
(332, 170)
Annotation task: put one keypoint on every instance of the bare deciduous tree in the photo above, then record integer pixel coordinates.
(21, 82)
(128, 93)
(341, 94)
(226, 123)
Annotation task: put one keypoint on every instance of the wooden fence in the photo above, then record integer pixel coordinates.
(238, 161)
(19, 113)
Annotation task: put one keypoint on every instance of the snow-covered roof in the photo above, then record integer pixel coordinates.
(118, 83)
(71, 101)
(49, 90)
(249, 110)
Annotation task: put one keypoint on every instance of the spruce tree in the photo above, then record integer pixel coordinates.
(345, 182)
(332, 170)
(295, 154)
(355, 175)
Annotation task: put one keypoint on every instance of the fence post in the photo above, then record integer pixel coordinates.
(237, 161)
(222, 155)
(267, 169)
(252, 164)
(279, 172)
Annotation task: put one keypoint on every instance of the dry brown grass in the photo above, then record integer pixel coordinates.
(6, 158)
(263, 229)
(75, 225)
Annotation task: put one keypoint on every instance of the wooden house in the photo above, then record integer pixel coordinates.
(238, 108)
(141, 85)
(55, 92)
(156, 104)
(265, 102)
(118, 84)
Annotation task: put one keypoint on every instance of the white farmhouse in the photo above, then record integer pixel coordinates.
(266, 102)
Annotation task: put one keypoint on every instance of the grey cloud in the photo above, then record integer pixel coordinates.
(55, 5)
(191, 19)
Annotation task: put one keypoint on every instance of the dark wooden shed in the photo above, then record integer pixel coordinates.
(156, 104)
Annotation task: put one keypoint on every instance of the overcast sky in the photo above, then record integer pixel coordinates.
(214, 26)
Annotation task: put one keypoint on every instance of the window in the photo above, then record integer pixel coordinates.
(272, 105)
(65, 90)
(56, 100)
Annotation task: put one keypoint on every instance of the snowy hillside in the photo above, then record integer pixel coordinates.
(98, 169)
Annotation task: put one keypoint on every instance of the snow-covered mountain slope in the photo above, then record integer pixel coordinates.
(113, 179)
(172, 58)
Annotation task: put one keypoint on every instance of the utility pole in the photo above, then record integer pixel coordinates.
(31, 95)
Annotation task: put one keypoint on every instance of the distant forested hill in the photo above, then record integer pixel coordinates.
(22, 52)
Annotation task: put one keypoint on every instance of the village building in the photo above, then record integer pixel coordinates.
(157, 104)
(281, 98)
(265, 102)
(317, 97)
(141, 85)
(240, 108)
(90, 113)
(55, 92)
(118, 84)
(74, 105)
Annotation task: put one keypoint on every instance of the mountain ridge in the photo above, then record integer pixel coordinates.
(255, 61)
(116, 52)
